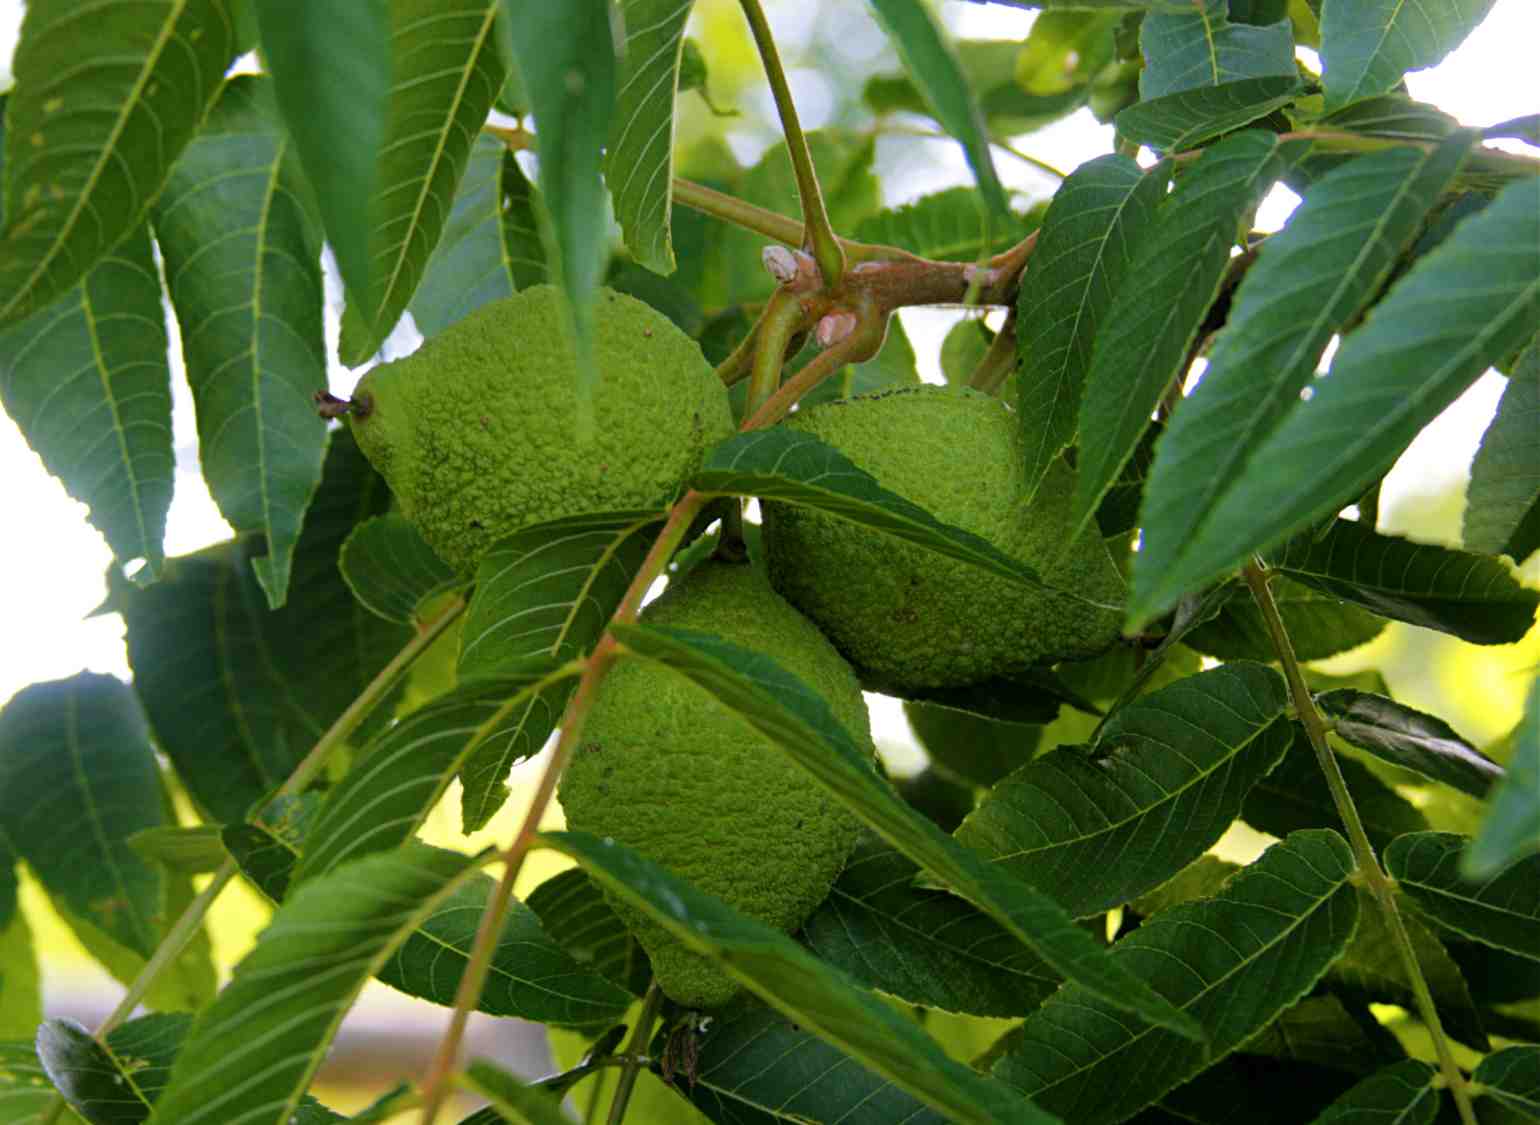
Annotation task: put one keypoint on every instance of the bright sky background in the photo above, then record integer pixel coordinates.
(51, 575)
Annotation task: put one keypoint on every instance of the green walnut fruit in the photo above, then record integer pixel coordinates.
(666, 769)
(476, 431)
(910, 619)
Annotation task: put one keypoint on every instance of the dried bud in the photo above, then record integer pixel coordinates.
(780, 262)
(834, 327)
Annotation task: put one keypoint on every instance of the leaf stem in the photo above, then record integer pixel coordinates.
(635, 1052)
(863, 343)
(783, 318)
(818, 233)
(997, 363)
(436, 1084)
(1369, 869)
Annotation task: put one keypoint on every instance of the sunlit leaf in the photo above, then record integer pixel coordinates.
(1502, 508)
(1308, 281)
(794, 982)
(800, 721)
(1233, 961)
(639, 162)
(106, 96)
(1367, 45)
(1511, 829)
(1143, 342)
(1094, 827)
(21, 978)
(194, 850)
(87, 382)
(1503, 910)
(1084, 251)
(241, 243)
(565, 54)
(445, 71)
(1467, 303)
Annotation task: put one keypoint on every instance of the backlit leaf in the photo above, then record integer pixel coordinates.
(1502, 509)
(1367, 45)
(242, 245)
(106, 96)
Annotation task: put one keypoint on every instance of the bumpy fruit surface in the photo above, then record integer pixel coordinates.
(666, 769)
(907, 617)
(476, 430)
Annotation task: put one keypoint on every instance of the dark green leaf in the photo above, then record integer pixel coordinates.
(934, 68)
(796, 468)
(490, 247)
(1367, 46)
(191, 851)
(401, 775)
(1308, 281)
(797, 984)
(1234, 962)
(1371, 971)
(1295, 796)
(546, 591)
(1319, 625)
(1502, 509)
(755, 1067)
(972, 749)
(1321, 1031)
(77, 779)
(1473, 597)
(639, 162)
(1512, 1077)
(784, 709)
(565, 54)
(331, 71)
(1084, 251)
(444, 72)
(1273, 1092)
(236, 694)
(1201, 47)
(1469, 302)
(115, 1084)
(583, 923)
(1511, 829)
(391, 569)
(1095, 827)
(253, 1051)
(1396, 733)
(87, 383)
(1503, 911)
(242, 248)
(1182, 120)
(1403, 1094)
(926, 947)
(1394, 116)
(106, 96)
(945, 226)
(1149, 329)
(513, 1100)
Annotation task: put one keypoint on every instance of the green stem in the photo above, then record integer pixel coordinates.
(997, 363)
(783, 318)
(729, 208)
(818, 234)
(635, 1050)
(436, 1085)
(861, 344)
(1369, 870)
